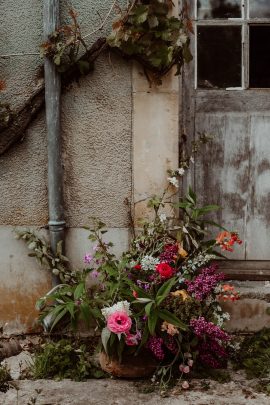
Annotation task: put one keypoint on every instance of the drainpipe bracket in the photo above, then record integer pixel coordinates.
(56, 226)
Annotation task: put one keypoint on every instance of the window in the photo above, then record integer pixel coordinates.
(232, 44)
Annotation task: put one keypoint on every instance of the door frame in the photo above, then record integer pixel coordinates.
(189, 96)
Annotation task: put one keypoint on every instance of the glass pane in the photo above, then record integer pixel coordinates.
(259, 64)
(259, 8)
(219, 56)
(208, 9)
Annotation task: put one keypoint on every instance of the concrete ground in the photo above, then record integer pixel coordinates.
(119, 392)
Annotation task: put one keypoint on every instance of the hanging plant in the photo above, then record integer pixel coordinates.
(144, 31)
(148, 33)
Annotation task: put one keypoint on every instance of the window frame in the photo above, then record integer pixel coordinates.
(245, 22)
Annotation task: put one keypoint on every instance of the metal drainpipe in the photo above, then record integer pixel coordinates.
(53, 105)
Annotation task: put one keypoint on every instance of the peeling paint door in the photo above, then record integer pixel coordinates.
(226, 93)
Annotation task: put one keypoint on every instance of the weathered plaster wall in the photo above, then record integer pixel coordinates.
(97, 134)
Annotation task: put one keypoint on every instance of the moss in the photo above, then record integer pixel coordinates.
(254, 355)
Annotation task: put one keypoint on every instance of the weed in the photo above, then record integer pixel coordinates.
(63, 359)
(4, 379)
(254, 355)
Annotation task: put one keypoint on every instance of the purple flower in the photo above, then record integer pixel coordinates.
(155, 345)
(203, 328)
(205, 282)
(87, 258)
(170, 251)
(171, 344)
(213, 354)
(210, 348)
(94, 273)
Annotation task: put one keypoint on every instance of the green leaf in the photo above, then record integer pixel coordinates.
(171, 318)
(71, 309)
(164, 290)
(80, 289)
(140, 14)
(187, 53)
(152, 321)
(143, 300)
(84, 67)
(191, 196)
(148, 308)
(105, 336)
(59, 317)
(207, 208)
(86, 313)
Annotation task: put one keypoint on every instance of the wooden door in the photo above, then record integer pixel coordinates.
(226, 93)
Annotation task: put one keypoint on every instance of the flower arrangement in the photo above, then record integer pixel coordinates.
(162, 296)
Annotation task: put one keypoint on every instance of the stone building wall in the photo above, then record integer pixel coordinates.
(97, 150)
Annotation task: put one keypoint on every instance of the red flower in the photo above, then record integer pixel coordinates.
(137, 267)
(164, 270)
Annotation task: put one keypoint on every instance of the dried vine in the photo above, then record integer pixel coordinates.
(14, 131)
(144, 32)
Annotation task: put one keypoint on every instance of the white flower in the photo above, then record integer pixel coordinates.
(173, 180)
(192, 159)
(162, 217)
(149, 263)
(182, 39)
(119, 306)
(181, 171)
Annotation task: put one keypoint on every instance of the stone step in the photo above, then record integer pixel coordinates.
(251, 312)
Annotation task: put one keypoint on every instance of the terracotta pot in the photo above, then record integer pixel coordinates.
(143, 365)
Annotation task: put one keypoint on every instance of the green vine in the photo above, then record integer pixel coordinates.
(147, 33)
(57, 263)
(144, 31)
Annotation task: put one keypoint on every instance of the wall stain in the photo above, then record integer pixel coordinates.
(263, 166)
(18, 307)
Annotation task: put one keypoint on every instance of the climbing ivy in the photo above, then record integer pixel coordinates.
(148, 33)
(144, 31)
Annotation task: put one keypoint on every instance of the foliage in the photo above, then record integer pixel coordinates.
(41, 250)
(147, 32)
(63, 45)
(4, 379)
(162, 295)
(62, 359)
(143, 31)
(254, 355)
(66, 305)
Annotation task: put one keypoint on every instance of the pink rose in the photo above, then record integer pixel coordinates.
(119, 322)
(164, 270)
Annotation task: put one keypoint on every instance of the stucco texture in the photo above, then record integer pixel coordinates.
(96, 127)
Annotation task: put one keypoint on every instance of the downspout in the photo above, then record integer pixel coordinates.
(56, 224)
